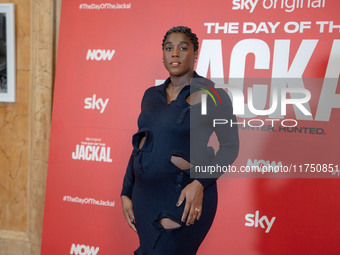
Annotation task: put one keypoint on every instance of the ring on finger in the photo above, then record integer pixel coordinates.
(197, 210)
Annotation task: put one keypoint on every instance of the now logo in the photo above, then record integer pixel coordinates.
(100, 55)
(82, 249)
(254, 220)
(260, 164)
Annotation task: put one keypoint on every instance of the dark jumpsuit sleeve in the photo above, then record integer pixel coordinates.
(227, 136)
(129, 178)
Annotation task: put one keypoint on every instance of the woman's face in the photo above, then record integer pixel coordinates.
(178, 54)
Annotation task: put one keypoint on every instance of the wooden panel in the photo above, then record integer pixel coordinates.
(14, 123)
(25, 128)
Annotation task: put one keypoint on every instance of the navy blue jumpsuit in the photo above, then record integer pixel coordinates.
(154, 183)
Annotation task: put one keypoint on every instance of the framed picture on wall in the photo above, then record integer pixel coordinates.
(7, 53)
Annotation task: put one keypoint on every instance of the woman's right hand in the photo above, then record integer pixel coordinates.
(128, 212)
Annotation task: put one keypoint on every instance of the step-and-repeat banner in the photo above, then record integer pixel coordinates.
(281, 61)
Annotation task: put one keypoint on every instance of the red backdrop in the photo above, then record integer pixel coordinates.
(109, 53)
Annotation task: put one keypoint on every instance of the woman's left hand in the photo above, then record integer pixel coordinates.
(193, 195)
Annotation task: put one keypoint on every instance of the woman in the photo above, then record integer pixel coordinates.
(171, 212)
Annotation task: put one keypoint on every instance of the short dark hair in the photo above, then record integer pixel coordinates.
(185, 30)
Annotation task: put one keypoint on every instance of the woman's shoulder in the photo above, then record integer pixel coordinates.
(154, 94)
(156, 89)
